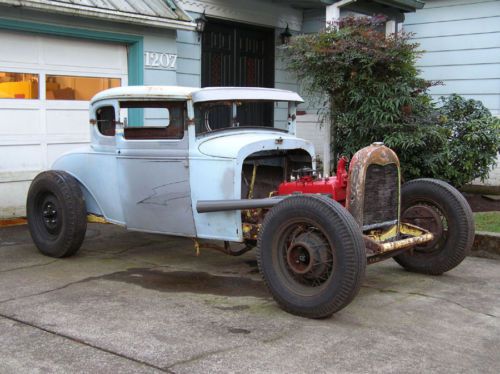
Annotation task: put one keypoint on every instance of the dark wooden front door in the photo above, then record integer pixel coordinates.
(239, 55)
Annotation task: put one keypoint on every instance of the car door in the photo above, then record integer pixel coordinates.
(153, 167)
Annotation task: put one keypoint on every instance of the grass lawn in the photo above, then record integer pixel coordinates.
(487, 221)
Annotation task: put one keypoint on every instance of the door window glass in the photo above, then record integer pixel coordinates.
(65, 87)
(18, 85)
(105, 117)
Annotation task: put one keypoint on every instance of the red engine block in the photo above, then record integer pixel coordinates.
(335, 187)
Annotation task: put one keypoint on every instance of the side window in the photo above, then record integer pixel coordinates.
(106, 120)
(157, 119)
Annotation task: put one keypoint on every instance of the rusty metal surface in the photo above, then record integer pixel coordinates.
(374, 154)
(251, 231)
(226, 249)
(378, 242)
(92, 218)
(426, 217)
(381, 194)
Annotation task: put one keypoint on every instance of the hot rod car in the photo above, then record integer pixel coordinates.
(225, 164)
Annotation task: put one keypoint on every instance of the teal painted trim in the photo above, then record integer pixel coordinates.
(136, 64)
(135, 42)
(135, 74)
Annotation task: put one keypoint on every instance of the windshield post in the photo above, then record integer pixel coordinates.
(191, 127)
(234, 121)
(292, 116)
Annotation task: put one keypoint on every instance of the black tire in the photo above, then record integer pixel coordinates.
(57, 216)
(454, 234)
(311, 222)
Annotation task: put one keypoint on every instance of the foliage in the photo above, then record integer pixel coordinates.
(375, 94)
(473, 139)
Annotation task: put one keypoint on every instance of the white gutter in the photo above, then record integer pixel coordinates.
(100, 13)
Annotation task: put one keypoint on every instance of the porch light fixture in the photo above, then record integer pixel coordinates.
(285, 36)
(201, 23)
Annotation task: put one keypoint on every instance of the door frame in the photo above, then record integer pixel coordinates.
(270, 76)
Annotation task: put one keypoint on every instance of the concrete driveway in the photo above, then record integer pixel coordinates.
(131, 302)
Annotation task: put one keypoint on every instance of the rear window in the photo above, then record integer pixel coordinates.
(154, 119)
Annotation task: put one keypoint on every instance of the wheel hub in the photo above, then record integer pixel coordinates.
(299, 258)
(50, 216)
(428, 218)
(308, 256)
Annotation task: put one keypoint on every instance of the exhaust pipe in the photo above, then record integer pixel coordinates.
(207, 206)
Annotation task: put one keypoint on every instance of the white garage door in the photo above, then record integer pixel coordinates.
(45, 85)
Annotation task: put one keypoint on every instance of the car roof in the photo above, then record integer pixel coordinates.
(196, 94)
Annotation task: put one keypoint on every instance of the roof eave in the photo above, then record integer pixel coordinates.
(404, 5)
(110, 15)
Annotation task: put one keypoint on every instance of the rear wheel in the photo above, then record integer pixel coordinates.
(57, 217)
(439, 208)
(311, 255)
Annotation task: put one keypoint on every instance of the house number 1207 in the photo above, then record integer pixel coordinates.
(158, 60)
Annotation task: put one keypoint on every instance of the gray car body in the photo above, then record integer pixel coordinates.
(154, 185)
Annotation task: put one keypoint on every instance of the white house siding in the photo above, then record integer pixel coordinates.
(461, 40)
(189, 58)
(308, 124)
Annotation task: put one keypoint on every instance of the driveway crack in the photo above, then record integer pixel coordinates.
(51, 290)
(87, 344)
(452, 302)
(28, 267)
(388, 290)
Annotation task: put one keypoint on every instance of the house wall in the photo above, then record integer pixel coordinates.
(309, 124)
(461, 39)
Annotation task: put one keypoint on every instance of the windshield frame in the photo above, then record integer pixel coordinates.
(233, 121)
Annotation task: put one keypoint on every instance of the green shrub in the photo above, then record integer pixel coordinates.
(375, 94)
(473, 139)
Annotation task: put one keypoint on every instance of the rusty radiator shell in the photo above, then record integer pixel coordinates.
(375, 154)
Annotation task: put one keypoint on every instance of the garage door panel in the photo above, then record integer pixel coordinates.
(34, 132)
(15, 47)
(104, 56)
(19, 121)
(21, 157)
(67, 121)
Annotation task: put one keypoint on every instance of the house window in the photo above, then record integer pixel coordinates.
(65, 87)
(18, 85)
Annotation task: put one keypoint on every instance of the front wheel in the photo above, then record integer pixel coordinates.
(311, 255)
(57, 217)
(439, 208)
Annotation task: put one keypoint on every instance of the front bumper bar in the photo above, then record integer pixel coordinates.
(384, 242)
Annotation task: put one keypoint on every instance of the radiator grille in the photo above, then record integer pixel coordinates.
(381, 194)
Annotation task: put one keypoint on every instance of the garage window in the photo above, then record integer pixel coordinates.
(18, 85)
(65, 87)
